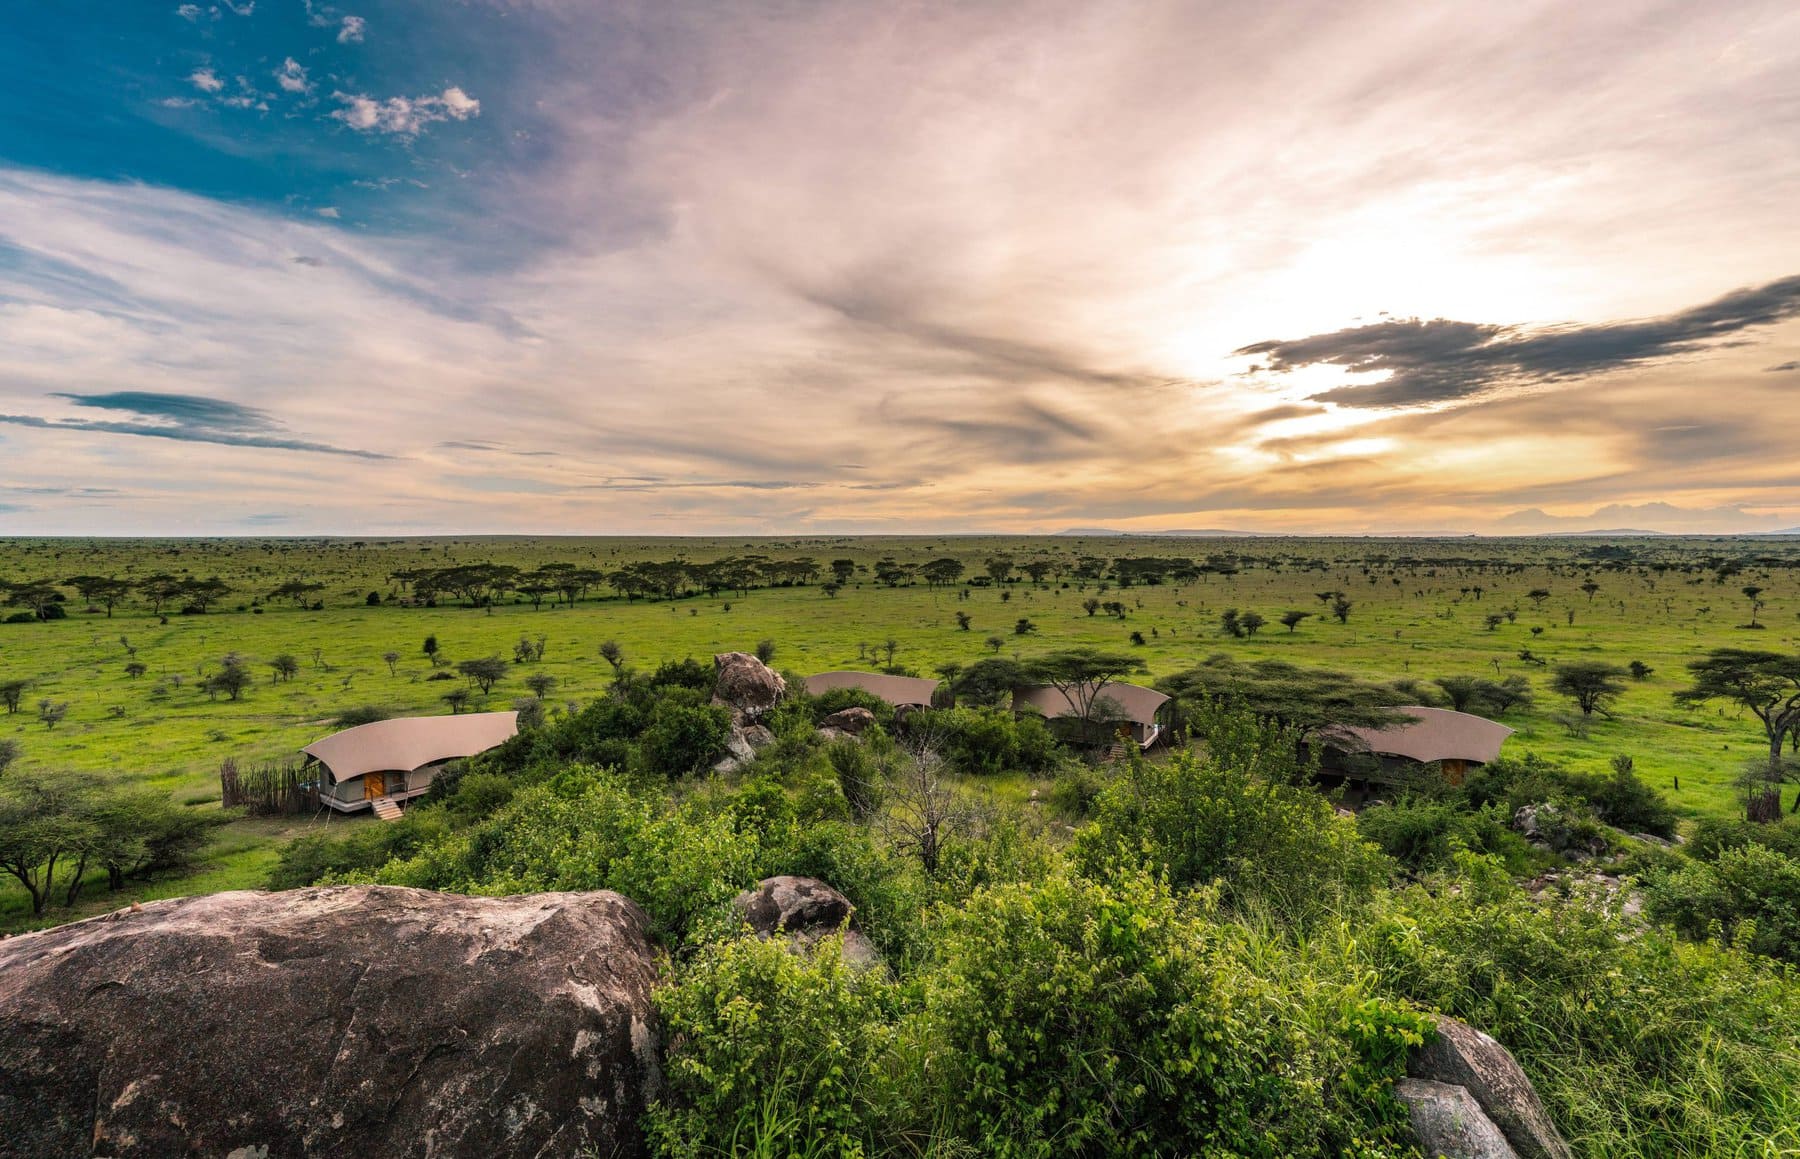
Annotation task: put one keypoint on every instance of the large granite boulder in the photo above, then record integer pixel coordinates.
(804, 909)
(1464, 1057)
(344, 1021)
(1449, 1122)
(747, 686)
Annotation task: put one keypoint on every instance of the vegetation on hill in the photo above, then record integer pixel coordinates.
(1199, 952)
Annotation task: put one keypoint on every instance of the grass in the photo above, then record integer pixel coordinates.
(1414, 615)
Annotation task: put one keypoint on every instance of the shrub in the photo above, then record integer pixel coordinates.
(1232, 817)
(362, 714)
(1750, 896)
(1073, 1017)
(774, 1053)
(985, 741)
(1423, 835)
(683, 739)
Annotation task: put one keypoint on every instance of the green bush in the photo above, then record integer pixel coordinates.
(988, 741)
(1233, 817)
(775, 1054)
(588, 830)
(1071, 1017)
(1641, 1046)
(1749, 895)
(684, 739)
(362, 848)
(1713, 837)
(1424, 834)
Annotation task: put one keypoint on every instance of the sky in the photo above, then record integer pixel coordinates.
(796, 267)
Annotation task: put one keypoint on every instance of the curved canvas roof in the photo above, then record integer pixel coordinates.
(1435, 734)
(410, 742)
(896, 690)
(1140, 704)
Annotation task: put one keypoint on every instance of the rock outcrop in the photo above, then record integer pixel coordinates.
(343, 1021)
(1450, 1123)
(1462, 1056)
(747, 686)
(750, 689)
(804, 909)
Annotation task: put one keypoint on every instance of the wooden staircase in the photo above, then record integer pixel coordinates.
(1114, 754)
(388, 809)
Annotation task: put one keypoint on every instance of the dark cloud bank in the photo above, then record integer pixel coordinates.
(188, 418)
(1443, 361)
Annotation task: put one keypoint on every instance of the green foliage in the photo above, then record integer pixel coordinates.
(588, 830)
(774, 1053)
(985, 741)
(1424, 834)
(1235, 817)
(1641, 1046)
(683, 739)
(1073, 1017)
(1748, 895)
(316, 857)
(838, 699)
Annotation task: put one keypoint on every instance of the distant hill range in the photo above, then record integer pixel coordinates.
(1184, 533)
(1596, 533)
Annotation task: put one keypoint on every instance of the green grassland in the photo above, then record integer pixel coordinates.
(1415, 613)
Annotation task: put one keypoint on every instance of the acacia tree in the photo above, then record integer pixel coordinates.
(41, 827)
(1766, 683)
(103, 590)
(1591, 684)
(1081, 675)
(483, 673)
(1751, 593)
(11, 692)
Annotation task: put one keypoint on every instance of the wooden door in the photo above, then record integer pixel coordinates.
(374, 785)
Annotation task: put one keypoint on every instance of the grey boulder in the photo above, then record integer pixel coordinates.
(1449, 1122)
(804, 910)
(342, 1021)
(1462, 1056)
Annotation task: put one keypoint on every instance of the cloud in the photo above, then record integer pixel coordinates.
(404, 116)
(1782, 367)
(183, 417)
(189, 12)
(244, 9)
(291, 76)
(205, 80)
(1431, 362)
(352, 30)
(330, 211)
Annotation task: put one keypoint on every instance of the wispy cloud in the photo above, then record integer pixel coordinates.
(351, 31)
(205, 80)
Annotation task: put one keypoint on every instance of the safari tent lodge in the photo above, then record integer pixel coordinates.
(1454, 741)
(1129, 708)
(378, 765)
(899, 691)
